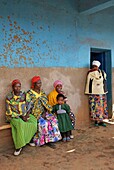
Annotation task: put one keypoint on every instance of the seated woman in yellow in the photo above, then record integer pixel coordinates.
(52, 97)
(53, 94)
(23, 124)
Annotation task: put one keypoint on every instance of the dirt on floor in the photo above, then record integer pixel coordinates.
(91, 149)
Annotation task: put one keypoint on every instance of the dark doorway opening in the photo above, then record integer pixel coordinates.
(104, 56)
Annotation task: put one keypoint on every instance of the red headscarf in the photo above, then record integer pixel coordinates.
(34, 80)
(16, 81)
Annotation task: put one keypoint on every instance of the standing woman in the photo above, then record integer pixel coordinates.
(38, 105)
(95, 88)
(23, 124)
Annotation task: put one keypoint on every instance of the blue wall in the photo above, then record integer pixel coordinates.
(49, 33)
(36, 34)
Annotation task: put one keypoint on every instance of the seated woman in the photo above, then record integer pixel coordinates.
(23, 124)
(53, 94)
(48, 131)
(52, 97)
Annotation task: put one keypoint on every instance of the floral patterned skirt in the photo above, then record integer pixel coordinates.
(48, 130)
(98, 107)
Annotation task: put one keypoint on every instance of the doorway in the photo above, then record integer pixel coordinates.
(104, 56)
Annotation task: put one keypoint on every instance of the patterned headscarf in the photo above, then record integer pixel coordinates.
(16, 81)
(34, 80)
(57, 82)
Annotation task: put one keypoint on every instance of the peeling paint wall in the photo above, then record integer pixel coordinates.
(37, 33)
(51, 33)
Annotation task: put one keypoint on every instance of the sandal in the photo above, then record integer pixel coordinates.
(64, 139)
(68, 139)
(102, 124)
(71, 137)
(17, 152)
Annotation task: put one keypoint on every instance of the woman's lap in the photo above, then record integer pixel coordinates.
(22, 132)
(47, 130)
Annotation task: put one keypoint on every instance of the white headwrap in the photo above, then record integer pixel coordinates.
(96, 63)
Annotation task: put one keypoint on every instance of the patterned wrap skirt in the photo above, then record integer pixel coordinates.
(48, 130)
(98, 107)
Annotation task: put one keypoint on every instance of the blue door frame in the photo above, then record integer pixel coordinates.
(104, 56)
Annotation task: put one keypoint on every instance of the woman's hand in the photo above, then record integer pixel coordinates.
(25, 118)
(43, 115)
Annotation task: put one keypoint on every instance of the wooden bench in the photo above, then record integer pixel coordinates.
(6, 142)
(5, 126)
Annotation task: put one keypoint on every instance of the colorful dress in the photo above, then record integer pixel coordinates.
(64, 121)
(96, 90)
(47, 128)
(98, 107)
(22, 132)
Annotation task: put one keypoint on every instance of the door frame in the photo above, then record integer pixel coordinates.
(107, 64)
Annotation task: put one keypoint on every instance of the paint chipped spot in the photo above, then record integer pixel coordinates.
(24, 32)
(15, 37)
(4, 56)
(22, 57)
(8, 17)
(44, 42)
(1, 17)
(24, 47)
(30, 49)
(26, 40)
(15, 22)
(18, 27)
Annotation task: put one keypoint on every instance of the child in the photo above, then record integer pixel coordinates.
(71, 114)
(62, 110)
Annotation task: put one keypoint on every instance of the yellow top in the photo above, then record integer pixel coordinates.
(52, 97)
(36, 94)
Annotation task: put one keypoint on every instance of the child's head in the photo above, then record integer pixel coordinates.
(60, 98)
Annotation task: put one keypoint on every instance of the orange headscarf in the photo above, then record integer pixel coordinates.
(34, 80)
